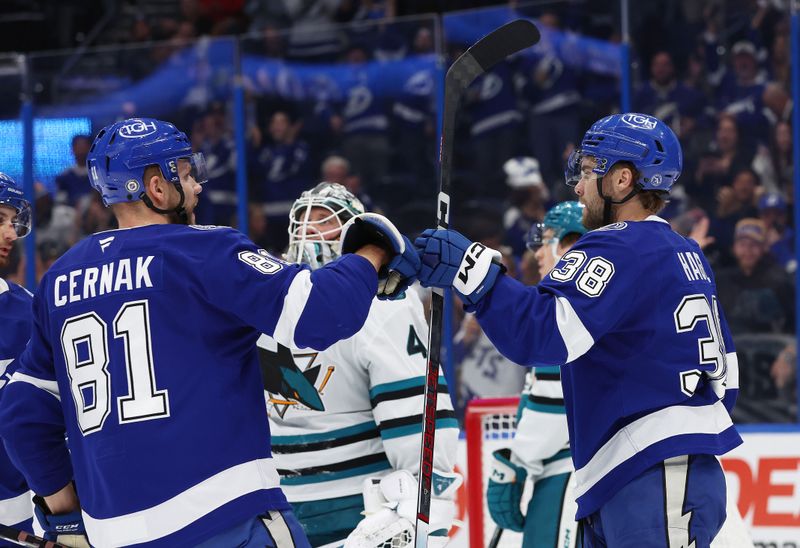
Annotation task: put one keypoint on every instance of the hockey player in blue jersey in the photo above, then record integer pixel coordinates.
(346, 422)
(143, 352)
(15, 318)
(540, 449)
(630, 314)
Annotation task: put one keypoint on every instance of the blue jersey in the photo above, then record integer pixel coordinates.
(73, 184)
(650, 372)
(15, 317)
(494, 101)
(144, 351)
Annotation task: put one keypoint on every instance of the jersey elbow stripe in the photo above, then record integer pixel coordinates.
(407, 426)
(403, 393)
(51, 387)
(16, 509)
(545, 376)
(336, 470)
(293, 305)
(576, 337)
(732, 378)
(302, 447)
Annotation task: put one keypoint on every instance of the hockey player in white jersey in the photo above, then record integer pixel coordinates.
(346, 422)
(631, 316)
(540, 449)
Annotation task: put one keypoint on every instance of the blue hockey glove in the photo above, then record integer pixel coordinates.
(65, 529)
(371, 228)
(504, 493)
(451, 260)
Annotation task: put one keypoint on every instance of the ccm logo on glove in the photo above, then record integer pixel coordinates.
(473, 268)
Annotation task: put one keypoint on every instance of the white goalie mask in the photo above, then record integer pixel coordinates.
(315, 223)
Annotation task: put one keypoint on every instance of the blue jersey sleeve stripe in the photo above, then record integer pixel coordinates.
(17, 509)
(51, 387)
(732, 378)
(293, 305)
(576, 337)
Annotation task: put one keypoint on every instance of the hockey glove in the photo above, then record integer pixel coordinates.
(371, 228)
(65, 529)
(504, 493)
(390, 507)
(450, 260)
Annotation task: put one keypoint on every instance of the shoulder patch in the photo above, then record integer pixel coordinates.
(206, 227)
(613, 226)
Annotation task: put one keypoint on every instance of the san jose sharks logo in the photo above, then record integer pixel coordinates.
(290, 379)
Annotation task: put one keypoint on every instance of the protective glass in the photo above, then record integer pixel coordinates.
(21, 222)
(572, 172)
(199, 170)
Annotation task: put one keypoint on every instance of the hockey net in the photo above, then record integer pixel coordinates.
(490, 425)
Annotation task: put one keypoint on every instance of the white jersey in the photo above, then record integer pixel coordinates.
(354, 410)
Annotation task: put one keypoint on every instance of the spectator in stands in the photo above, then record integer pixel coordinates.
(756, 294)
(211, 135)
(494, 130)
(773, 212)
(780, 65)
(777, 103)
(725, 157)
(664, 96)
(364, 124)
(734, 203)
(336, 169)
(781, 150)
(55, 222)
(529, 196)
(413, 119)
(741, 89)
(73, 183)
(551, 91)
(784, 370)
(94, 216)
(281, 170)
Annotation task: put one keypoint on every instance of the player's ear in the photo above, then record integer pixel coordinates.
(623, 179)
(156, 186)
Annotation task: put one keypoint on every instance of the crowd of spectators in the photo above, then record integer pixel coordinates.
(723, 88)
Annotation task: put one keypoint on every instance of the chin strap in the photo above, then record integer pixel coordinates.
(608, 202)
(179, 210)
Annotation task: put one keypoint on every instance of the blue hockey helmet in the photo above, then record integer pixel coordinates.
(643, 140)
(11, 195)
(563, 219)
(121, 152)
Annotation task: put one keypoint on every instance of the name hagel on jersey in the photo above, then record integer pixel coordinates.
(354, 410)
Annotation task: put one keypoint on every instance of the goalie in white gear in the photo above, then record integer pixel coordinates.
(346, 422)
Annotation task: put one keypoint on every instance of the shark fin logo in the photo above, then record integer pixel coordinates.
(287, 385)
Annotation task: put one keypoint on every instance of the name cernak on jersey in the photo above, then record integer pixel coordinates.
(95, 281)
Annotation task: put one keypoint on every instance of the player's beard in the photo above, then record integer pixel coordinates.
(593, 213)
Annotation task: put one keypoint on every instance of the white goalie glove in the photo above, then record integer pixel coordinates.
(390, 508)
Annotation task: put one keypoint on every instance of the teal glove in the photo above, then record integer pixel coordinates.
(504, 493)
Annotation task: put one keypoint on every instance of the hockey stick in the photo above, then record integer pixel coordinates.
(498, 532)
(484, 54)
(21, 538)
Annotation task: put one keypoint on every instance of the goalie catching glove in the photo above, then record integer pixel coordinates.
(64, 529)
(451, 260)
(390, 509)
(504, 493)
(372, 228)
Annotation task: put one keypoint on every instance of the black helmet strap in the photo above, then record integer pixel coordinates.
(179, 210)
(608, 202)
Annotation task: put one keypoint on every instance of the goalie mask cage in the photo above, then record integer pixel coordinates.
(490, 425)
